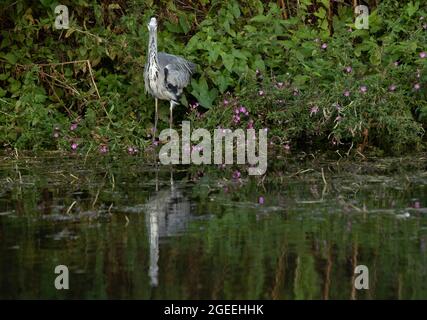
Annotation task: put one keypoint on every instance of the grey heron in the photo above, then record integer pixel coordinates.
(165, 75)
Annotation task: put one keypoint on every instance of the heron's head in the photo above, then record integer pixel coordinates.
(152, 26)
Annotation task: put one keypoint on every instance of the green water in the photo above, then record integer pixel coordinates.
(129, 230)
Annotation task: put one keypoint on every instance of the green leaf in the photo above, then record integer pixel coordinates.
(321, 13)
(375, 57)
(202, 93)
(4, 76)
(10, 57)
(223, 81)
(228, 61)
(183, 22)
(39, 98)
(260, 18)
(14, 85)
(259, 64)
(325, 3)
(47, 3)
(238, 54)
(175, 28)
(411, 8)
(300, 80)
(235, 10)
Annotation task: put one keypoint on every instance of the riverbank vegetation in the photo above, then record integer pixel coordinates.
(298, 68)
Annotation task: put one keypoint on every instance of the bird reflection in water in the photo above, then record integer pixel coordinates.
(167, 214)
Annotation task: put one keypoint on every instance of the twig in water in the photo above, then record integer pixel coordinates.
(113, 182)
(127, 220)
(96, 198)
(71, 207)
(72, 175)
(99, 190)
(323, 177)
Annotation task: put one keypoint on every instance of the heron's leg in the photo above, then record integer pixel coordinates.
(171, 116)
(157, 178)
(156, 117)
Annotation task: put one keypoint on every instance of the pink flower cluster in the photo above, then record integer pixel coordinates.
(238, 112)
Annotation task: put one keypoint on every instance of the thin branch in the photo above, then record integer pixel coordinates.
(93, 80)
(64, 85)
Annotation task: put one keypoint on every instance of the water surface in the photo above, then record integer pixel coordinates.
(129, 230)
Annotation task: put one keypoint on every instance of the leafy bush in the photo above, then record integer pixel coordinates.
(91, 74)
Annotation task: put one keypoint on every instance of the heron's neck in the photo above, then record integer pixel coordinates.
(152, 48)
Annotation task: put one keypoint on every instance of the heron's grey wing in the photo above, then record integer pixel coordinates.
(176, 79)
(166, 59)
(176, 73)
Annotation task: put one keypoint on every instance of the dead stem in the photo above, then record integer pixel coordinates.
(93, 79)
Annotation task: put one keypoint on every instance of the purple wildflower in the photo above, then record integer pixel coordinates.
(74, 146)
(314, 110)
(261, 200)
(324, 45)
(423, 54)
(73, 126)
(348, 69)
(103, 149)
(417, 86)
(392, 88)
(346, 93)
(236, 174)
(131, 150)
(363, 89)
(261, 93)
